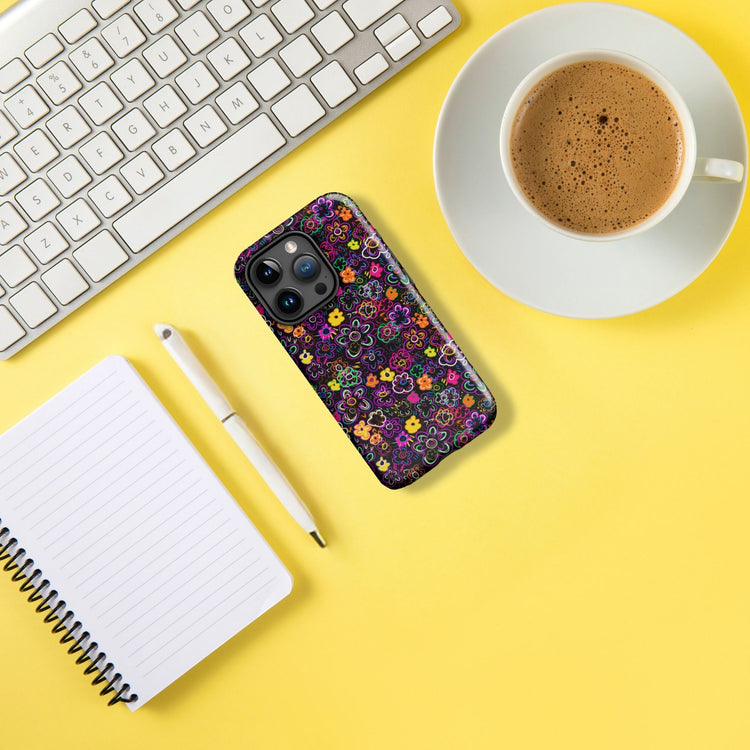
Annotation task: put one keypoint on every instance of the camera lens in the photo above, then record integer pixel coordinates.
(289, 302)
(306, 267)
(267, 272)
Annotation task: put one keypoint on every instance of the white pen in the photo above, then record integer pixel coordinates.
(236, 427)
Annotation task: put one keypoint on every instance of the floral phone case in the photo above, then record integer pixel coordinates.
(376, 355)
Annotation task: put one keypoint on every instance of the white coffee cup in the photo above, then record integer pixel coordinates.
(693, 167)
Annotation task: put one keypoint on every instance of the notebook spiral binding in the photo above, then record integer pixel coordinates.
(49, 601)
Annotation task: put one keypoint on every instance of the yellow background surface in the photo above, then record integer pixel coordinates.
(576, 578)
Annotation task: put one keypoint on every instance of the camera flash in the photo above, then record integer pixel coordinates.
(291, 247)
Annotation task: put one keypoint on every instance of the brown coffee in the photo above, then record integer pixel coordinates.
(597, 147)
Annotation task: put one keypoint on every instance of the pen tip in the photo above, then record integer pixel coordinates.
(163, 331)
(318, 538)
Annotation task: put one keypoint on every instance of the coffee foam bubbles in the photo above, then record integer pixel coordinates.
(597, 147)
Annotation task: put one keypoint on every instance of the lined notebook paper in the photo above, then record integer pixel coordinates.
(133, 529)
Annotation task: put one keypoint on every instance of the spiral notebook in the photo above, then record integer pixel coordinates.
(124, 538)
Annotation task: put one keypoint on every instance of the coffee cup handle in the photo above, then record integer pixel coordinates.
(718, 170)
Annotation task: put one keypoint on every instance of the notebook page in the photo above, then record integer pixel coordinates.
(132, 527)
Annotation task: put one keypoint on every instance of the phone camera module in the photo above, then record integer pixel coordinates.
(289, 302)
(267, 272)
(306, 267)
(291, 278)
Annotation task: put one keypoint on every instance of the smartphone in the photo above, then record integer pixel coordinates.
(356, 326)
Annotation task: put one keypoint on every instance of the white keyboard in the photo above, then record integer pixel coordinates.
(122, 122)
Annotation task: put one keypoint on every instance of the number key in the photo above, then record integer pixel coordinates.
(123, 36)
(59, 83)
(91, 59)
(155, 14)
(26, 107)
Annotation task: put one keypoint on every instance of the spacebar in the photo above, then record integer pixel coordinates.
(200, 182)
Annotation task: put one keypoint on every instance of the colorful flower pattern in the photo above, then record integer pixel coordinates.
(376, 355)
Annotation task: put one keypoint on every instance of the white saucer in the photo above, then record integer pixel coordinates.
(517, 253)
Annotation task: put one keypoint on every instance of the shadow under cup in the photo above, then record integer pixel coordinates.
(610, 145)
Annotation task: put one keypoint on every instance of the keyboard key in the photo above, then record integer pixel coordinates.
(91, 59)
(26, 107)
(205, 126)
(107, 8)
(15, 266)
(323, 4)
(332, 32)
(10, 330)
(59, 83)
(197, 82)
(155, 14)
(173, 150)
(36, 150)
(78, 219)
(68, 127)
(100, 153)
(37, 200)
(77, 26)
(228, 13)
(100, 104)
(164, 56)
(141, 173)
(46, 242)
(391, 29)
(100, 256)
(200, 182)
(237, 103)
(371, 68)
(11, 223)
(300, 56)
(260, 35)
(132, 80)
(11, 175)
(7, 131)
(433, 22)
(403, 45)
(364, 13)
(333, 84)
(123, 35)
(196, 32)
(293, 14)
(269, 79)
(109, 196)
(228, 59)
(65, 282)
(33, 305)
(298, 110)
(12, 74)
(44, 50)
(69, 176)
(133, 129)
(187, 4)
(165, 106)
